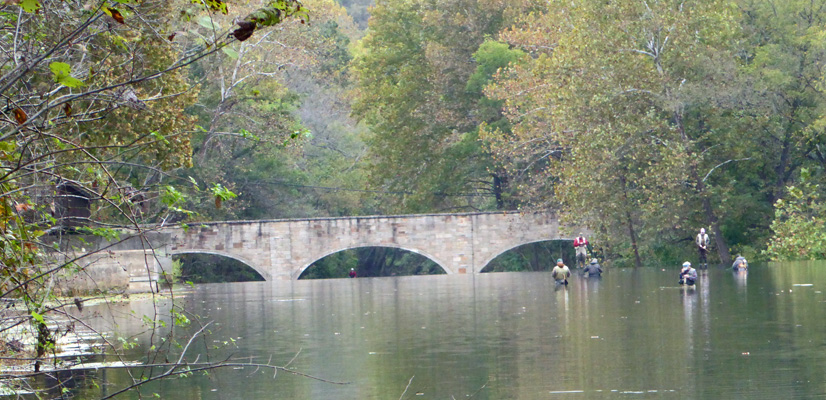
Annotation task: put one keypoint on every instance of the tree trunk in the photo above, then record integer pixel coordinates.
(781, 168)
(711, 218)
(536, 265)
(499, 183)
(368, 262)
(631, 231)
(719, 240)
(390, 266)
(637, 260)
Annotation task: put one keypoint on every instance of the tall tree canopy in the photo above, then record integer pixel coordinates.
(413, 69)
(649, 120)
(618, 115)
(273, 121)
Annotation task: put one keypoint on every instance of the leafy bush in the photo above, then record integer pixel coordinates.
(799, 226)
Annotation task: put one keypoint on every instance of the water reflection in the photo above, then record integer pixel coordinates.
(707, 281)
(688, 295)
(516, 336)
(740, 278)
(562, 305)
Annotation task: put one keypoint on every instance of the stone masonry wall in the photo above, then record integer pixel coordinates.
(124, 266)
(123, 271)
(282, 249)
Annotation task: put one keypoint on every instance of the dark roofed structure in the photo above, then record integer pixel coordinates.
(73, 204)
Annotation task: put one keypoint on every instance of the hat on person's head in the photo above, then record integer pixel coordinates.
(593, 261)
(702, 230)
(559, 261)
(686, 264)
(351, 269)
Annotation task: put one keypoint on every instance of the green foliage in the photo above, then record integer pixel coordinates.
(62, 75)
(208, 268)
(540, 256)
(30, 6)
(491, 57)
(413, 77)
(108, 234)
(127, 344)
(273, 135)
(222, 193)
(799, 227)
(336, 58)
(174, 274)
(371, 262)
(180, 318)
(336, 265)
(213, 5)
(646, 121)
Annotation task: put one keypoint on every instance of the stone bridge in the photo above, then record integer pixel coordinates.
(283, 249)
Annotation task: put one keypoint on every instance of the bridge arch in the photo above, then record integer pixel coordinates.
(490, 259)
(316, 258)
(266, 275)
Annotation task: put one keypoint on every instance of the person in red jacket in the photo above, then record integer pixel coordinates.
(581, 246)
(352, 272)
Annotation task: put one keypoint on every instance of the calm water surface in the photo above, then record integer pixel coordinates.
(634, 334)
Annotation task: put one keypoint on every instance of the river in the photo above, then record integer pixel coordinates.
(634, 333)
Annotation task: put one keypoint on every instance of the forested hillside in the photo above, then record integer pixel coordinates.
(644, 121)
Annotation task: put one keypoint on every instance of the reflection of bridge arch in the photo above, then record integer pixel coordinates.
(414, 251)
(485, 263)
(248, 263)
(283, 249)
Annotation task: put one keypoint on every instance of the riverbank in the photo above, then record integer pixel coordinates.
(70, 333)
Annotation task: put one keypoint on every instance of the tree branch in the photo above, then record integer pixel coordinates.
(723, 163)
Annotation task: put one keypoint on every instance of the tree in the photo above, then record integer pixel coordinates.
(94, 98)
(413, 68)
(799, 227)
(268, 111)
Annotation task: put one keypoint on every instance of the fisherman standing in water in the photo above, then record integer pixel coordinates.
(561, 273)
(581, 246)
(702, 247)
